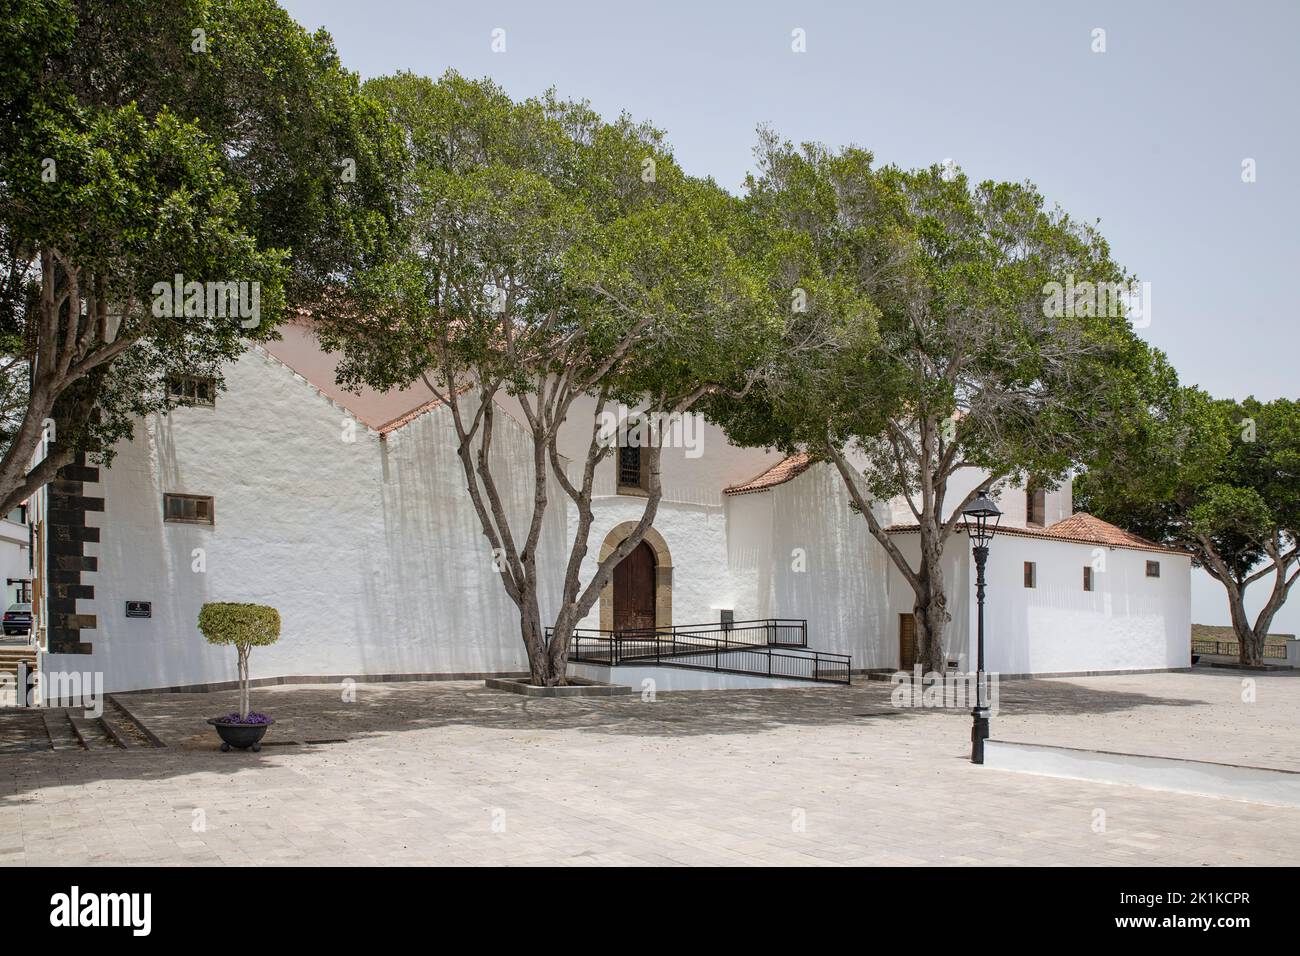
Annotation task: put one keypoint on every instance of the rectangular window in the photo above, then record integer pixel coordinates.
(1031, 574)
(1153, 569)
(629, 467)
(1087, 577)
(18, 515)
(192, 390)
(1035, 507)
(190, 509)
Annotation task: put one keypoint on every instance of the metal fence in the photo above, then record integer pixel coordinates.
(767, 648)
(1276, 652)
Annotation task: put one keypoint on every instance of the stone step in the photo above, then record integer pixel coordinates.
(9, 663)
(59, 729)
(91, 732)
(22, 731)
(119, 725)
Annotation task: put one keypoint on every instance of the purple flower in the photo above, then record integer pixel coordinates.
(253, 718)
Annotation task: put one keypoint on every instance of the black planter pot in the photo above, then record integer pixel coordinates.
(243, 736)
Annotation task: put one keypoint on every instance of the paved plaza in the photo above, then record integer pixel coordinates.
(453, 773)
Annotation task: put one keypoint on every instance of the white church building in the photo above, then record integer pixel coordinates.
(348, 513)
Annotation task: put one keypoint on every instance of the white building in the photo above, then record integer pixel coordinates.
(15, 556)
(348, 513)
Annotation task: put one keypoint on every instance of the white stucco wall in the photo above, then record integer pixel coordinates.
(1127, 622)
(709, 575)
(692, 475)
(750, 555)
(15, 558)
(1058, 503)
(809, 556)
(704, 580)
(370, 549)
(372, 552)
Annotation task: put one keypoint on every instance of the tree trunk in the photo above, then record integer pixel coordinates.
(243, 683)
(557, 653)
(930, 612)
(533, 632)
(68, 340)
(1250, 651)
(578, 599)
(17, 461)
(930, 608)
(930, 605)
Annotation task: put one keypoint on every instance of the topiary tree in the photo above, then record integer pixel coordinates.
(244, 625)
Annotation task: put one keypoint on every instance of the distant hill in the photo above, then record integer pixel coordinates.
(1214, 632)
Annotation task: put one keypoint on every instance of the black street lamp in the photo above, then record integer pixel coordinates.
(981, 518)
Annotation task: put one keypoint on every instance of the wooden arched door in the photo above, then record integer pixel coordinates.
(634, 589)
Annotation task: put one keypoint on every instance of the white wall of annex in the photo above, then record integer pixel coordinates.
(1127, 622)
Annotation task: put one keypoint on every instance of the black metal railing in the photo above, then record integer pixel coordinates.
(769, 648)
(1233, 649)
(777, 631)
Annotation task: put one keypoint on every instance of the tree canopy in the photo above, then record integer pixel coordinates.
(211, 140)
(557, 258)
(1218, 479)
(923, 341)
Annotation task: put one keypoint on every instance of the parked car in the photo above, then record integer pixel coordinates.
(18, 619)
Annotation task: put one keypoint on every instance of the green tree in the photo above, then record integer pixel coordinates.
(245, 626)
(925, 342)
(554, 258)
(134, 201)
(1218, 479)
(214, 139)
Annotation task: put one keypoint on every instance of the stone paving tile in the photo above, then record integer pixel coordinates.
(431, 771)
(1219, 715)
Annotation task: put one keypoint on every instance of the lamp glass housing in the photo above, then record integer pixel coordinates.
(981, 518)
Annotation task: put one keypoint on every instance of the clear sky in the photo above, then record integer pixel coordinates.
(1149, 136)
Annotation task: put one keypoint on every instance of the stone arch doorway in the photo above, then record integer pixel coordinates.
(648, 566)
(634, 590)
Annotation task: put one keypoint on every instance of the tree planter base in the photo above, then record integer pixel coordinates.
(243, 736)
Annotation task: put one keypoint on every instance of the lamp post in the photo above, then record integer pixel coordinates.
(981, 518)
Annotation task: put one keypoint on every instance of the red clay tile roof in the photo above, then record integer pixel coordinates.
(380, 411)
(407, 417)
(781, 472)
(1084, 527)
(1079, 528)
